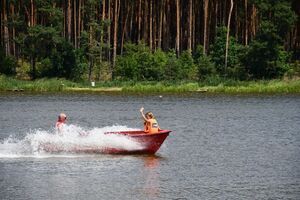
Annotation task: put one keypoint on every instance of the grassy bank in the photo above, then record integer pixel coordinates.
(260, 87)
(230, 87)
(41, 85)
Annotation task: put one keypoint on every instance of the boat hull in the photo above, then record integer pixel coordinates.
(149, 144)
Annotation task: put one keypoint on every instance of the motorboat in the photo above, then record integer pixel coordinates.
(148, 143)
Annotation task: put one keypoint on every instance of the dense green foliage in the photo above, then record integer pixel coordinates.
(139, 63)
(236, 53)
(205, 67)
(7, 63)
(49, 52)
(266, 58)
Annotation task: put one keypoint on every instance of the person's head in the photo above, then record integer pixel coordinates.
(149, 115)
(62, 117)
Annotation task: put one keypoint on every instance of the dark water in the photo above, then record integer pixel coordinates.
(221, 147)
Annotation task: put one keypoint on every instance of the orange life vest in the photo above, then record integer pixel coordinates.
(151, 126)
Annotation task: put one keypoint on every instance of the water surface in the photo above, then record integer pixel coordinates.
(221, 147)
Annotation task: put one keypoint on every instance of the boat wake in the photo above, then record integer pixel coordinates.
(72, 139)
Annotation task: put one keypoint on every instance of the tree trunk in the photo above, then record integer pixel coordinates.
(237, 21)
(91, 64)
(63, 5)
(102, 31)
(108, 31)
(139, 20)
(101, 38)
(6, 31)
(205, 25)
(227, 36)
(1, 22)
(194, 26)
(13, 31)
(69, 16)
(131, 32)
(145, 23)
(124, 28)
(208, 29)
(155, 17)
(91, 59)
(177, 27)
(166, 29)
(150, 26)
(216, 13)
(31, 13)
(33, 73)
(190, 25)
(79, 22)
(75, 22)
(294, 38)
(115, 35)
(161, 13)
(246, 22)
(253, 21)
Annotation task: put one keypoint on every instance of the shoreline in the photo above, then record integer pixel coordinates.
(203, 90)
(239, 87)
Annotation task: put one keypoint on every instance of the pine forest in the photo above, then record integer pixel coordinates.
(150, 40)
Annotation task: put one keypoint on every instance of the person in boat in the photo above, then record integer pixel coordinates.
(61, 121)
(150, 123)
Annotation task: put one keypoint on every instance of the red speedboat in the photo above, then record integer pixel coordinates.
(150, 142)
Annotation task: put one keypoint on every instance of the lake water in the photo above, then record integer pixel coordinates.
(221, 147)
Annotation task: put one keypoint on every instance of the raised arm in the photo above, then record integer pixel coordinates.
(142, 112)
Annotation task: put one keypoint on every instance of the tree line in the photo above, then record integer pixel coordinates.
(150, 39)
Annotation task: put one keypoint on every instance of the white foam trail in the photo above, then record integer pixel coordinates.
(33, 145)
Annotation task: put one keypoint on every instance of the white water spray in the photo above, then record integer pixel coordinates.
(72, 139)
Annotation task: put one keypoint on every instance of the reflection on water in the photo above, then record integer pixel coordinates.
(152, 187)
(152, 161)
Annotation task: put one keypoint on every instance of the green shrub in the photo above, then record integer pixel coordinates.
(204, 64)
(8, 64)
(127, 66)
(139, 63)
(186, 69)
(44, 68)
(235, 69)
(266, 57)
(171, 68)
(159, 60)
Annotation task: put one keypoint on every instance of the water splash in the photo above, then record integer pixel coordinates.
(72, 139)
